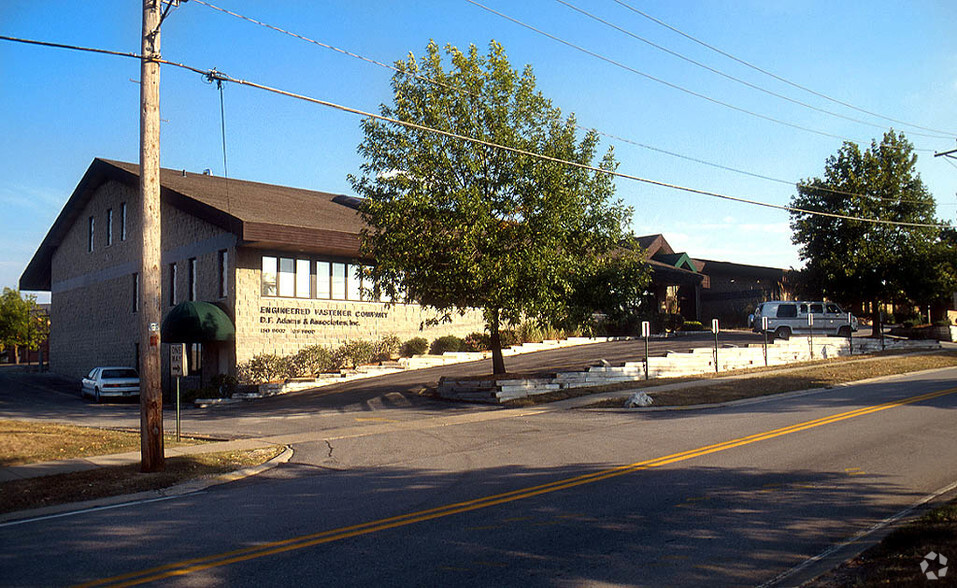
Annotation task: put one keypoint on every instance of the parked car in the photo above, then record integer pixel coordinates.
(104, 382)
(786, 318)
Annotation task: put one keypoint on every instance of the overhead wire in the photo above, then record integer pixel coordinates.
(729, 76)
(658, 80)
(587, 167)
(776, 76)
(459, 90)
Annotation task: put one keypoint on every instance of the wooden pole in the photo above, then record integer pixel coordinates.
(151, 393)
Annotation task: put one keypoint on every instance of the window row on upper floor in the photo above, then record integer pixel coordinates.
(108, 230)
(299, 277)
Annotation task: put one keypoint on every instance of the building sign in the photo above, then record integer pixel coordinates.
(275, 319)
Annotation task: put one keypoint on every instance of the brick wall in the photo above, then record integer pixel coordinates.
(284, 325)
(93, 322)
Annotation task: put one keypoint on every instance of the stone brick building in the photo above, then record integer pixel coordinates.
(281, 262)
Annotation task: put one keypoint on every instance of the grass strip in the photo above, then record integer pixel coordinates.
(762, 381)
(896, 560)
(24, 442)
(114, 481)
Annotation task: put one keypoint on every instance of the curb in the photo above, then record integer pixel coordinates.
(624, 394)
(121, 500)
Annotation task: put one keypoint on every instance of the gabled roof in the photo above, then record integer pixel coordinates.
(261, 215)
(654, 245)
(678, 260)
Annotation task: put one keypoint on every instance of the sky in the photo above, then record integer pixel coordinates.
(60, 109)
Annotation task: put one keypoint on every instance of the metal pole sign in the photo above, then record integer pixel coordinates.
(177, 360)
(645, 334)
(765, 324)
(177, 368)
(715, 328)
(850, 334)
(810, 336)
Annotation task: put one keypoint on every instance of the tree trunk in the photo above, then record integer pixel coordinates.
(498, 360)
(16, 354)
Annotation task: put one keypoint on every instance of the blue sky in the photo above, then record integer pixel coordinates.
(60, 109)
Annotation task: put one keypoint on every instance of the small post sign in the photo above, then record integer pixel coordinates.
(177, 369)
(645, 334)
(765, 325)
(177, 360)
(810, 333)
(715, 328)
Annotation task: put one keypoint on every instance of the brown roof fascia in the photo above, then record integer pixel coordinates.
(306, 240)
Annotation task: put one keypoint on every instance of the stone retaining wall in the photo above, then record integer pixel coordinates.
(698, 361)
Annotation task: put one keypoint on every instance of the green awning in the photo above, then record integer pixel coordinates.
(197, 322)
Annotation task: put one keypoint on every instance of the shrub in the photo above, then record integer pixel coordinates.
(224, 385)
(509, 338)
(414, 346)
(447, 343)
(909, 324)
(312, 360)
(265, 367)
(478, 342)
(692, 326)
(944, 322)
(354, 353)
(386, 348)
(673, 321)
(530, 333)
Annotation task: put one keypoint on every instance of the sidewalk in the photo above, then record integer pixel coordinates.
(21, 472)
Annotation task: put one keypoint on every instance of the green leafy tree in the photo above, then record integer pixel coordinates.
(455, 225)
(855, 261)
(21, 323)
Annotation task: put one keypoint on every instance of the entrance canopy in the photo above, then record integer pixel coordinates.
(197, 322)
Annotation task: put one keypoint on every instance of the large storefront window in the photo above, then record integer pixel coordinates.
(323, 280)
(293, 278)
(269, 283)
(302, 279)
(287, 276)
(339, 281)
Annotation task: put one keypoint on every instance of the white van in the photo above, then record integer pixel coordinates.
(786, 318)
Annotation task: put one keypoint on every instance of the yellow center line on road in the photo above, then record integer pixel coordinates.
(190, 566)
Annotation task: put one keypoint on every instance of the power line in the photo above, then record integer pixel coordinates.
(653, 78)
(729, 76)
(226, 78)
(775, 76)
(459, 90)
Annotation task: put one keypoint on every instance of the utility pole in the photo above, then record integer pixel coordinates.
(151, 393)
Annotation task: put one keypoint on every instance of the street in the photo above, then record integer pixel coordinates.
(545, 497)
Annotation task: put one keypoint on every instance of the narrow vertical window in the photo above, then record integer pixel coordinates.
(302, 278)
(269, 277)
(109, 227)
(89, 240)
(136, 292)
(191, 288)
(223, 273)
(195, 359)
(287, 276)
(322, 280)
(123, 221)
(354, 281)
(339, 281)
(172, 284)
